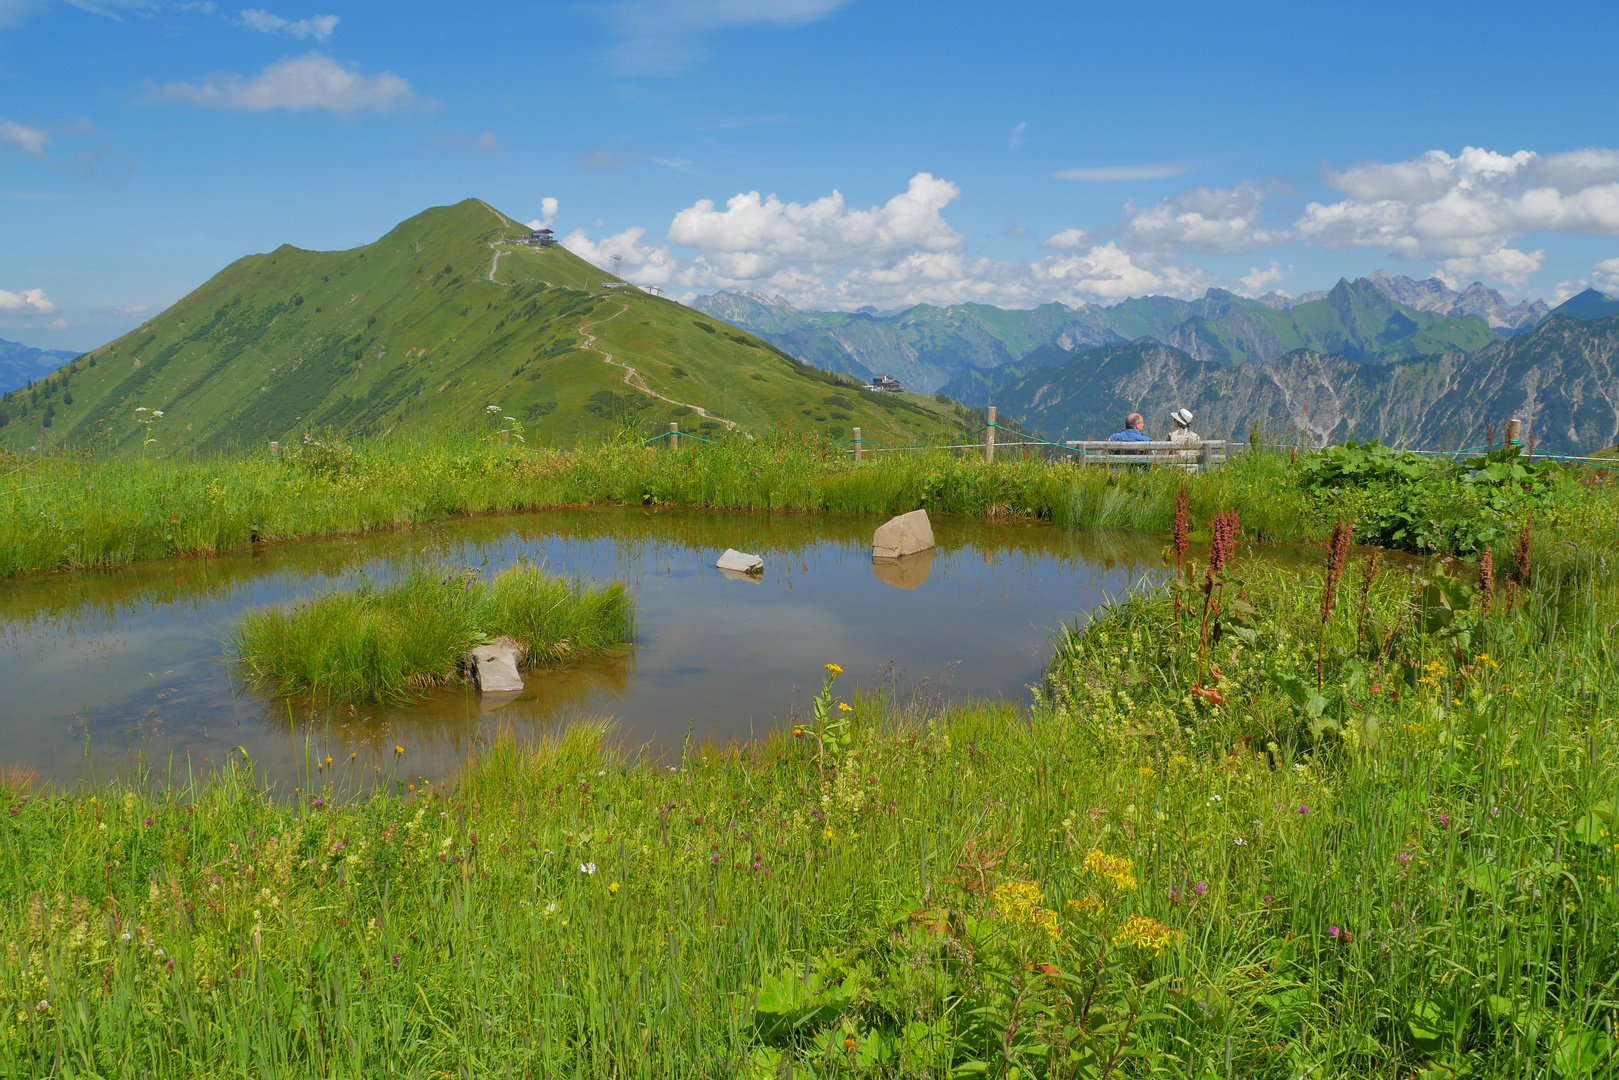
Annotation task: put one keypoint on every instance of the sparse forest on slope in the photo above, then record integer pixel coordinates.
(434, 324)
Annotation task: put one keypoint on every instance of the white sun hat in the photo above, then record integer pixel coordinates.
(1183, 417)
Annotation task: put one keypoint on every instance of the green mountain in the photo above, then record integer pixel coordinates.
(1355, 320)
(443, 319)
(1589, 304)
(1561, 377)
(21, 365)
(922, 346)
(970, 351)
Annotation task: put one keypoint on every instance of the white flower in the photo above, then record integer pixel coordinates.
(491, 408)
(157, 952)
(448, 840)
(125, 936)
(551, 908)
(43, 1005)
(587, 868)
(1214, 798)
(1241, 842)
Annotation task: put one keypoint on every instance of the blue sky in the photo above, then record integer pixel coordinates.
(839, 152)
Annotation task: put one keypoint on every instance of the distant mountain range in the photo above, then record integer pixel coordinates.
(21, 365)
(1413, 362)
(959, 350)
(1562, 377)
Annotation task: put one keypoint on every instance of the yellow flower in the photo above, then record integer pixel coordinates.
(1115, 868)
(613, 888)
(829, 833)
(1147, 772)
(1087, 907)
(399, 749)
(835, 669)
(845, 706)
(1145, 933)
(1022, 903)
(328, 759)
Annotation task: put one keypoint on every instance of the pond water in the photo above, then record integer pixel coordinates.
(100, 669)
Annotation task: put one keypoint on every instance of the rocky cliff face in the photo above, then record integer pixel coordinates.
(1562, 378)
(1476, 299)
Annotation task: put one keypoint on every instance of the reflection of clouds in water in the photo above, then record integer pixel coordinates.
(730, 657)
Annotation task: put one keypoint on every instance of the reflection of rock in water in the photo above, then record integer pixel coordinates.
(737, 575)
(907, 572)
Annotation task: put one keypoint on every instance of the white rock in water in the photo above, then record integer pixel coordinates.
(741, 562)
(904, 535)
(496, 668)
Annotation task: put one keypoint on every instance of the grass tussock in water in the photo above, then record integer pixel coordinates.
(57, 513)
(375, 644)
(1247, 832)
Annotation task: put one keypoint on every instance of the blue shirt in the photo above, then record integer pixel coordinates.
(1129, 434)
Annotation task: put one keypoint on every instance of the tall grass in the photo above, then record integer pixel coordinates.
(375, 644)
(58, 513)
(1415, 876)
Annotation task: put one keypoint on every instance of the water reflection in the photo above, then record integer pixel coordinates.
(136, 658)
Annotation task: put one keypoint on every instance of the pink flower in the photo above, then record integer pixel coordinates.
(1332, 931)
(1404, 857)
(1200, 888)
(1304, 808)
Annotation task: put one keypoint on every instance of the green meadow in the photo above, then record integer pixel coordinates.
(1355, 819)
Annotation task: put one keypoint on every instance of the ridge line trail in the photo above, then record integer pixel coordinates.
(634, 378)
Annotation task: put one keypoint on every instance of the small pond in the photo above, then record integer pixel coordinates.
(99, 668)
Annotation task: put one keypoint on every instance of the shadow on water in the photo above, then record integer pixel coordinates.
(136, 660)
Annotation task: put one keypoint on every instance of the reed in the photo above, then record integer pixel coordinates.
(375, 644)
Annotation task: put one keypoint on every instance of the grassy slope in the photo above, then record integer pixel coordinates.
(410, 330)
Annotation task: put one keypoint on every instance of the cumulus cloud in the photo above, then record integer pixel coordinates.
(1257, 280)
(1222, 221)
(319, 27)
(26, 302)
(666, 37)
(548, 214)
(1607, 276)
(1161, 171)
(311, 81)
(1466, 212)
(825, 254)
(30, 140)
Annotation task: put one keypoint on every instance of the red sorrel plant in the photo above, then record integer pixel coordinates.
(1518, 576)
(1337, 556)
(1486, 581)
(1222, 546)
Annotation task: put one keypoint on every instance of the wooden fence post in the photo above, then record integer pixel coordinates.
(989, 435)
(859, 451)
(674, 435)
(1514, 430)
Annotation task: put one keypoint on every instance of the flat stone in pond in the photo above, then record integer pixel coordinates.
(904, 535)
(741, 562)
(495, 668)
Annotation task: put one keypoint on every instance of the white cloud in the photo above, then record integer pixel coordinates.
(30, 140)
(1160, 171)
(311, 81)
(678, 164)
(319, 27)
(1257, 281)
(823, 254)
(1018, 133)
(1067, 240)
(1607, 275)
(27, 302)
(642, 263)
(665, 37)
(548, 214)
(1223, 221)
(56, 324)
(133, 309)
(1466, 211)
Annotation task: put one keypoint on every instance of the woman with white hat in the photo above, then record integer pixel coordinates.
(1184, 434)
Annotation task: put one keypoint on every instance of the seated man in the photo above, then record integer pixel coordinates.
(1132, 430)
(1184, 434)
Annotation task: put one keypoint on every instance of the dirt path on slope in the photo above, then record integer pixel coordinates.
(634, 378)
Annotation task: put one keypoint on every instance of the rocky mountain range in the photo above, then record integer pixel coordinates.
(961, 350)
(1561, 378)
